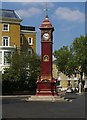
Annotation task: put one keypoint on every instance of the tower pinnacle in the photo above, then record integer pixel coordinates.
(46, 10)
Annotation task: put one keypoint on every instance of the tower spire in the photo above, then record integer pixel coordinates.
(46, 10)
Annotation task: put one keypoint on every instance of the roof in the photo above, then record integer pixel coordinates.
(29, 28)
(5, 13)
(46, 24)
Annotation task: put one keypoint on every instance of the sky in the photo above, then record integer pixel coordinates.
(67, 18)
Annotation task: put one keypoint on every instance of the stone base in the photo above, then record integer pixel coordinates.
(46, 88)
(46, 93)
(45, 98)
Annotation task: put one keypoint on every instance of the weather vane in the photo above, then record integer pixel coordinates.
(46, 9)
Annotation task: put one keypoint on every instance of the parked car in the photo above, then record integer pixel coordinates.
(69, 90)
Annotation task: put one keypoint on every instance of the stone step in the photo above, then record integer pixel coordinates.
(45, 98)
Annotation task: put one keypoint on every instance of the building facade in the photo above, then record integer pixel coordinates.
(28, 39)
(14, 36)
(64, 81)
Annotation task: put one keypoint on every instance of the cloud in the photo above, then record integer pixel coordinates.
(67, 14)
(28, 12)
(35, 10)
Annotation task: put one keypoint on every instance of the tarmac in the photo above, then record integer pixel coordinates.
(18, 107)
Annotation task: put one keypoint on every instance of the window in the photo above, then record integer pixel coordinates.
(5, 27)
(30, 41)
(59, 83)
(0, 57)
(30, 51)
(5, 41)
(7, 56)
(68, 82)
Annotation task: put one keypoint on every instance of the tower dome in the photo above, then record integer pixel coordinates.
(46, 23)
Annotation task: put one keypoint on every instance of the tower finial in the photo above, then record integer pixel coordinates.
(46, 10)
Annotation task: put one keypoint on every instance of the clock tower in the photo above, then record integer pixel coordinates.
(46, 49)
(46, 85)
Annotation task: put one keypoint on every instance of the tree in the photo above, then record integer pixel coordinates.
(23, 71)
(17, 68)
(79, 48)
(70, 59)
(65, 60)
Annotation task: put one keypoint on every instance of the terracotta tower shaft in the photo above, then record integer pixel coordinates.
(46, 49)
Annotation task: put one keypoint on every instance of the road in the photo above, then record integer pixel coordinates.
(17, 107)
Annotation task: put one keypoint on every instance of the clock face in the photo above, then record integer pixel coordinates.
(46, 36)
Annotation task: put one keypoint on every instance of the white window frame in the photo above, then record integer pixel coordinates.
(3, 27)
(30, 43)
(5, 42)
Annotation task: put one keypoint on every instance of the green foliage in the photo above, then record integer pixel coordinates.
(79, 47)
(70, 59)
(23, 72)
(64, 60)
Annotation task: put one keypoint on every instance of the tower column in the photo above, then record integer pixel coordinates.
(46, 85)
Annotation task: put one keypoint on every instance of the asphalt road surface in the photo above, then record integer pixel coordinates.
(18, 108)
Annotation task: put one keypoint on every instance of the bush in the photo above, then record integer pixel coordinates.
(11, 87)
